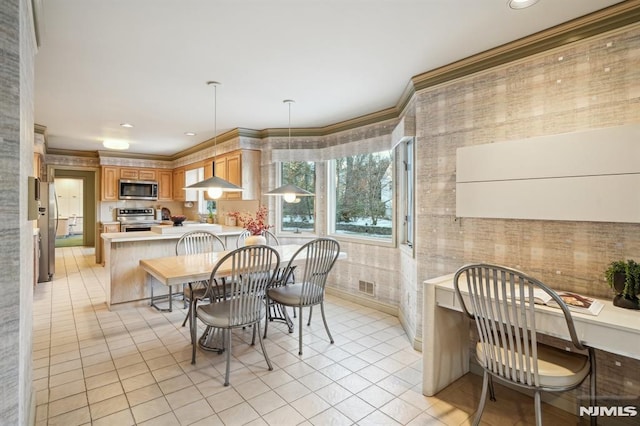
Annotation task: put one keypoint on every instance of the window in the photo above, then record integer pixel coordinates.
(300, 215)
(406, 196)
(192, 176)
(361, 196)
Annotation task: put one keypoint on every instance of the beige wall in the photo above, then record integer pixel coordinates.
(595, 85)
(17, 49)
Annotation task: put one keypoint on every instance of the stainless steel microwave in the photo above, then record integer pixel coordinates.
(137, 189)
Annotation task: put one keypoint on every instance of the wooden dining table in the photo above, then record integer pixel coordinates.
(182, 269)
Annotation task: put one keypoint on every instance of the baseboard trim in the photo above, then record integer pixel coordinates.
(364, 301)
(379, 306)
(415, 341)
(32, 407)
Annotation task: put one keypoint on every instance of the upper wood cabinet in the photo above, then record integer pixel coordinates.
(128, 173)
(165, 185)
(147, 174)
(138, 174)
(109, 183)
(112, 174)
(241, 168)
(178, 184)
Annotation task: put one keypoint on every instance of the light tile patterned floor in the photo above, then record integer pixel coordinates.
(132, 366)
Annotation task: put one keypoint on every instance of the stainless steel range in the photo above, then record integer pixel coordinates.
(135, 219)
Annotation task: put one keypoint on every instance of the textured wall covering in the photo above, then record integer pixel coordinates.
(16, 241)
(590, 84)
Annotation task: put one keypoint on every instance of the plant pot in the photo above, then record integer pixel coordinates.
(255, 240)
(619, 279)
(209, 220)
(623, 302)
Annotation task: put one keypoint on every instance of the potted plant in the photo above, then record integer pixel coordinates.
(256, 226)
(624, 278)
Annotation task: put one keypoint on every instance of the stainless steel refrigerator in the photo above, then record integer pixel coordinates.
(47, 224)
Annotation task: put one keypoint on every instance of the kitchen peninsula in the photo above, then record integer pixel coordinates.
(126, 280)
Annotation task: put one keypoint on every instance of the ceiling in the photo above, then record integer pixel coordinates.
(146, 62)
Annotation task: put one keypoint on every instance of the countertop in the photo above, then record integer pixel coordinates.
(117, 237)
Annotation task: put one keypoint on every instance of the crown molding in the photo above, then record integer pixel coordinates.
(72, 152)
(613, 17)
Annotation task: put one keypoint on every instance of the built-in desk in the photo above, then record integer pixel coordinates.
(445, 332)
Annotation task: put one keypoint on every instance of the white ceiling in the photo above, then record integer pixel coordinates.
(105, 62)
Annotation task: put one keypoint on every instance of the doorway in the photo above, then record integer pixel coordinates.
(76, 198)
(70, 211)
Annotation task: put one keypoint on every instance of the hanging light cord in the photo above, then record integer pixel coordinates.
(215, 117)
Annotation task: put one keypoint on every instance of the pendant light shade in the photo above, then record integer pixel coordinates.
(215, 186)
(289, 191)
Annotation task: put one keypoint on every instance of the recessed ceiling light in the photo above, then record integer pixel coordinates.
(127, 125)
(521, 4)
(115, 144)
(189, 133)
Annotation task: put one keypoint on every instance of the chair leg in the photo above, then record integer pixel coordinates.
(184, 300)
(310, 313)
(253, 337)
(324, 319)
(536, 398)
(300, 332)
(592, 384)
(266, 317)
(226, 377)
(188, 312)
(483, 399)
(193, 325)
(264, 350)
(492, 392)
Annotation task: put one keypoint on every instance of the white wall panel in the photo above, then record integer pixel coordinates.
(583, 176)
(589, 198)
(612, 150)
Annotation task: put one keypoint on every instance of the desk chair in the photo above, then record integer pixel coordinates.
(237, 301)
(194, 242)
(501, 302)
(308, 289)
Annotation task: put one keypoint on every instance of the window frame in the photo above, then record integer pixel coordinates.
(406, 192)
(331, 204)
(280, 202)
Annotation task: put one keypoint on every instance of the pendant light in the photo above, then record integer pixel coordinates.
(290, 192)
(215, 186)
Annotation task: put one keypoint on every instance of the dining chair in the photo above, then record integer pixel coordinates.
(275, 311)
(238, 300)
(501, 302)
(194, 242)
(272, 240)
(312, 262)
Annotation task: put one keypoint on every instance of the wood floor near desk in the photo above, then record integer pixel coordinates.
(132, 366)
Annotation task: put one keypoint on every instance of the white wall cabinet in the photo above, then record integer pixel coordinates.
(69, 194)
(592, 175)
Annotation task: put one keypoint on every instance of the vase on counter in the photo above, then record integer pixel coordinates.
(255, 240)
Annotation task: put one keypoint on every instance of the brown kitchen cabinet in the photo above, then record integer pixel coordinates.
(242, 168)
(138, 174)
(109, 183)
(165, 185)
(104, 228)
(178, 184)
